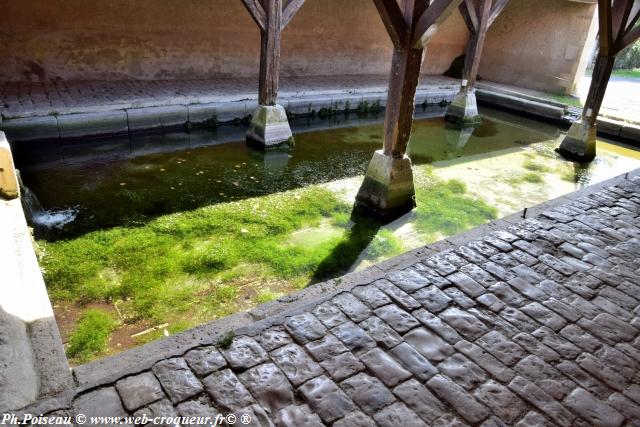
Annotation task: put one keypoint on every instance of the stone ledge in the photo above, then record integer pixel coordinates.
(33, 365)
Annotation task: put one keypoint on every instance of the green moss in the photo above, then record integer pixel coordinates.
(384, 244)
(445, 208)
(532, 178)
(190, 267)
(266, 295)
(566, 99)
(193, 262)
(569, 176)
(535, 166)
(91, 335)
(226, 340)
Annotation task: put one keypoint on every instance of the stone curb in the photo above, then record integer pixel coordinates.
(139, 118)
(108, 370)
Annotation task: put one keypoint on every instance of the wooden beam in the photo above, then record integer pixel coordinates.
(619, 16)
(437, 12)
(628, 38)
(633, 17)
(476, 43)
(605, 36)
(290, 11)
(270, 53)
(496, 9)
(393, 20)
(468, 12)
(257, 13)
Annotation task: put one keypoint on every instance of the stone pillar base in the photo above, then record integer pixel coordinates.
(387, 190)
(269, 127)
(464, 109)
(580, 142)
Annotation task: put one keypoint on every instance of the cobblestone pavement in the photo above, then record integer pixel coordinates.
(536, 324)
(25, 99)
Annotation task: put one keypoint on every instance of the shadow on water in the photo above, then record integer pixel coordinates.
(130, 181)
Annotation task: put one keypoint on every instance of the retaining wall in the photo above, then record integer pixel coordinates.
(533, 44)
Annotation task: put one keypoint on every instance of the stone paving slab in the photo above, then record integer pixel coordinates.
(532, 323)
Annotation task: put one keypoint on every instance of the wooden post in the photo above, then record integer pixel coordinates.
(269, 125)
(270, 53)
(617, 30)
(405, 72)
(476, 42)
(478, 16)
(599, 80)
(388, 189)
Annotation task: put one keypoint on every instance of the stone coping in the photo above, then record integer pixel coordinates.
(32, 360)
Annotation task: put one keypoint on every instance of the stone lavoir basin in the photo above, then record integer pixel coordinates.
(145, 236)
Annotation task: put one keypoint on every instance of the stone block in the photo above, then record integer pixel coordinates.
(205, 360)
(351, 306)
(269, 385)
(387, 190)
(592, 410)
(398, 414)
(342, 366)
(304, 328)
(31, 128)
(93, 124)
(295, 363)
(216, 112)
(177, 379)
(398, 319)
(103, 402)
(139, 390)
(244, 352)
(227, 391)
(384, 367)
(465, 404)
(630, 132)
(368, 392)
(326, 399)
(429, 345)
(580, 142)
(141, 119)
(269, 127)
(297, 416)
(463, 110)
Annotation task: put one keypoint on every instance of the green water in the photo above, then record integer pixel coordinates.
(169, 231)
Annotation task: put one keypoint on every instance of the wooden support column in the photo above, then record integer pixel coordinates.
(617, 30)
(478, 16)
(270, 53)
(405, 72)
(269, 124)
(388, 189)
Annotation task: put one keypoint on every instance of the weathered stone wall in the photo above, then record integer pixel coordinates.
(169, 39)
(539, 44)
